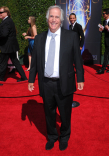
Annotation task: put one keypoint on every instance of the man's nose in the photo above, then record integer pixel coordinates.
(54, 18)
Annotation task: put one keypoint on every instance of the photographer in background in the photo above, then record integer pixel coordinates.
(105, 30)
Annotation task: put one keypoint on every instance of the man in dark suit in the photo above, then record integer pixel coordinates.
(54, 53)
(105, 30)
(76, 27)
(8, 44)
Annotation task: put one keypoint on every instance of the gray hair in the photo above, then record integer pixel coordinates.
(55, 6)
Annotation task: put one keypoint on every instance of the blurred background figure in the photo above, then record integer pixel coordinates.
(105, 30)
(8, 44)
(74, 26)
(30, 35)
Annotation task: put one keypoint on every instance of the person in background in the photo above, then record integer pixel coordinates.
(8, 44)
(30, 35)
(54, 53)
(105, 30)
(76, 27)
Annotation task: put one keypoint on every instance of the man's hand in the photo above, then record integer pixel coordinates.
(80, 85)
(101, 29)
(81, 48)
(30, 87)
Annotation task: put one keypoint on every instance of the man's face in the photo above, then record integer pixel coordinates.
(72, 19)
(105, 16)
(54, 20)
(2, 13)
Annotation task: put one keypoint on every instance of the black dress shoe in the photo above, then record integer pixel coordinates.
(63, 145)
(1, 84)
(101, 71)
(107, 71)
(49, 145)
(21, 80)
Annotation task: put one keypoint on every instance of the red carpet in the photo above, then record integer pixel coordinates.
(22, 119)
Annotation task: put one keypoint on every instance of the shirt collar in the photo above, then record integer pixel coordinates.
(57, 32)
(5, 17)
(74, 23)
(107, 20)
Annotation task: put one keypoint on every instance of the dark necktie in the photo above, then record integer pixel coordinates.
(50, 60)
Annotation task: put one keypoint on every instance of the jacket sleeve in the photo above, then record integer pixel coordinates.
(33, 69)
(81, 33)
(78, 60)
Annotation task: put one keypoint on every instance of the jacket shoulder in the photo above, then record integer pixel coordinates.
(69, 32)
(8, 19)
(79, 25)
(41, 34)
(63, 30)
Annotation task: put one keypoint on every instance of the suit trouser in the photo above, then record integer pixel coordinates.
(106, 58)
(3, 64)
(53, 98)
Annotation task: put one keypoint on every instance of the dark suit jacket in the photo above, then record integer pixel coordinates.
(78, 28)
(69, 54)
(8, 41)
(106, 35)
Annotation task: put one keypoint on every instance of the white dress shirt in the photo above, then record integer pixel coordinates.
(57, 50)
(73, 24)
(107, 22)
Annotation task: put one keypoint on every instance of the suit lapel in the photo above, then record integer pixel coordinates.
(62, 43)
(70, 27)
(43, 41)
(75, 26)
